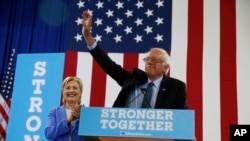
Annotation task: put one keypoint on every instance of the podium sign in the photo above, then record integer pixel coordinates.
(137, 123)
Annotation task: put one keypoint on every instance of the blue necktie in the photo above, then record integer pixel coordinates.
(147, 96)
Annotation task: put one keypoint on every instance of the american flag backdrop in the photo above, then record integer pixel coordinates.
(6, 94)
(207, 41)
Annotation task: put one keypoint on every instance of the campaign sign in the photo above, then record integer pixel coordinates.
(37, 88)
(137, 122)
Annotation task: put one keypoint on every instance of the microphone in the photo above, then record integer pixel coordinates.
(143, 92)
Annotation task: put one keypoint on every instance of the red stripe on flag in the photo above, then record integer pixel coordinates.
(130, 61)
(194, 62)
(228, 67)
(2, 132)
(98, 86)
(8, 102)
(4, 114)
(70, 64)
(5, 117)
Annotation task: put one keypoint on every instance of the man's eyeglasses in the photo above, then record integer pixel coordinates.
(152, 59)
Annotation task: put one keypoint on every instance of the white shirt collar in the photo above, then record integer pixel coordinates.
(157, 82)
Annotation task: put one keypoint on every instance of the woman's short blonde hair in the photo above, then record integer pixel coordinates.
(67, 80)
(72, 78)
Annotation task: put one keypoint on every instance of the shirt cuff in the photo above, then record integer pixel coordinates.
(92, 46)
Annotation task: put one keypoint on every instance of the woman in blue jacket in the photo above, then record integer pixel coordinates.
(63, 121)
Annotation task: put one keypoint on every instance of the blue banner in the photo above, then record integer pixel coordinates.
(37, 89)
(137, 122)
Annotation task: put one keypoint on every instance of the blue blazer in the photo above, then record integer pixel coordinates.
(58, 129)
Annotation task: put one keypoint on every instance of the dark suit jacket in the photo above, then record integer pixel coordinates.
(172, 92)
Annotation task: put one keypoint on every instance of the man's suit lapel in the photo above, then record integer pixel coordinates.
(162, 92)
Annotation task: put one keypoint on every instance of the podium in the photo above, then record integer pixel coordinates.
(136, 124)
